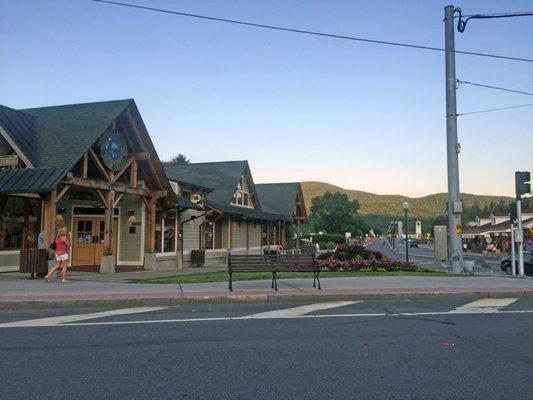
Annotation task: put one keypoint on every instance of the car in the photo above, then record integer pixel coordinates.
(528, 263)
(413, 244)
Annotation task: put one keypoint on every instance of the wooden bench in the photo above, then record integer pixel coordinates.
(272, 263)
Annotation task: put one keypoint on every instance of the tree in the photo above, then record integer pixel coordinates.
(179, 159)
(335, 213)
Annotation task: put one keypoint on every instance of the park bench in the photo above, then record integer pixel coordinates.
(272, 263)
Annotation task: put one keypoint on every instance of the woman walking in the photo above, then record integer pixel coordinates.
(62, 245)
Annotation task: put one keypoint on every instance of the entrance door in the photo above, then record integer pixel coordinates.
(88, 238)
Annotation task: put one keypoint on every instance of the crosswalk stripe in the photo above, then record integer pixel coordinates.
(485, 305)
(300, 311)
(65, 319)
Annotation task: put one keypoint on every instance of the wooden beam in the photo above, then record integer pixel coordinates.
(247, 236)
(124, 168)
(117, 199)
(116, 186)
(108, 223)
(133, 174)
(145, 201)
(85, 172)
(49, 218)
(62, 193)
(103, 198)
(98, 163)
(150, 229)
(141, 156)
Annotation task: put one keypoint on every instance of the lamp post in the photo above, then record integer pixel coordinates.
(406, 208)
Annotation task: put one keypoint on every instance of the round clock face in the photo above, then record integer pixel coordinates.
(113, 150)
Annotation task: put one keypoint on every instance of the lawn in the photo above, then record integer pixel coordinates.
(222, 276)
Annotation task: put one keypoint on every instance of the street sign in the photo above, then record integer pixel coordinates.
(519, 236)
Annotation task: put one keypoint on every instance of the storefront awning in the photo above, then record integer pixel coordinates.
(30, 180)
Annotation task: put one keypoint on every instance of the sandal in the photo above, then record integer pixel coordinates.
(64, 281)
(47, 279)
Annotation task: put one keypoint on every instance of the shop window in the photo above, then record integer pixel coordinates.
(20, 223)
(165, 232)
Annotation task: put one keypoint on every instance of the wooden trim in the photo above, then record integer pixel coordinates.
(98, 163)
(108, 224)
(12, 143)
(141, 156)
(85, 171)
(117, 199)
(124, 168)
(102, 198)
(133, 174)
(62, 193)
(151, 226)
(116, 186)
(49, 217)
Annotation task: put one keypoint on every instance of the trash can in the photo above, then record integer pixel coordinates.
(198, 258)
(33, 261)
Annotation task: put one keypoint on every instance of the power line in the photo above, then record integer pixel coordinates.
(495, 109)
(306, 32)
(461, 25)
(493, 87)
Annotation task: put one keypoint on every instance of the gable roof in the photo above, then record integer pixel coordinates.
(66, 132)
(27, 180)
(280, 197)
(19, 130)
(222, 177)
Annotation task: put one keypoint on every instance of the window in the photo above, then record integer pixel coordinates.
(242, 196)
(165, 232)
(20, 223)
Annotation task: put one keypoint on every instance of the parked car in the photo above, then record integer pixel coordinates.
(413, 244)
(528, 263)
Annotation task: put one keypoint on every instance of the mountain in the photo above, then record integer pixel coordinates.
(391, 205)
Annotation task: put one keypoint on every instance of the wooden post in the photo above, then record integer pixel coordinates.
(247, 237)
(108, 223)
(230, 233)
(85, 172)
(151, 213)
(133, 174)
(49, 220)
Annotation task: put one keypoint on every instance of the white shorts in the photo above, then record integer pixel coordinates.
(62, 257)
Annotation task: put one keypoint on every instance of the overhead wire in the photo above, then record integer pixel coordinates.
(460, 82)
(307, 32)
(495, 109)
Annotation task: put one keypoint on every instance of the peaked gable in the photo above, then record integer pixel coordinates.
(280, 197)
(66, 132)
(19, 130)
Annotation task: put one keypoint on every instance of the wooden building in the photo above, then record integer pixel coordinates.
(89, 167)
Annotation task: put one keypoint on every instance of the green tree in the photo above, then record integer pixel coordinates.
(335, 213)
(179, 159)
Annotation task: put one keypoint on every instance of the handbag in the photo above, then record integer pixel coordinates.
(52, 245)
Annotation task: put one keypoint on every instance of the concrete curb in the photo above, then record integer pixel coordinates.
(219, 297)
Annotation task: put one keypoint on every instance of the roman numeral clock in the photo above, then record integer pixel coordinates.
(113, 150)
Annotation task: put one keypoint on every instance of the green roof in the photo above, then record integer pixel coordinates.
(222, 177)
(279, 197)
(65, 132)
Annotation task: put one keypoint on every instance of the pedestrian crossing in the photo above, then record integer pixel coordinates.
(322, 310)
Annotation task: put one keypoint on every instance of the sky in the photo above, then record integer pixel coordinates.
(357, 115)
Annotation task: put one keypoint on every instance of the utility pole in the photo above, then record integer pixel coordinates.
(520, 238)
(454, 204)
(513, 258)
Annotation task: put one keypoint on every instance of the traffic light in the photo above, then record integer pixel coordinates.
(522, 179)
(513, 213)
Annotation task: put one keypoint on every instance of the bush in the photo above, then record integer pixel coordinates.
(329, 238)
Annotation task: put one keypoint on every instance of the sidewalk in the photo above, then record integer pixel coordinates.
(82, 291)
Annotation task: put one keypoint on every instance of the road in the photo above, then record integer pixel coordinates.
(425, 348)
(424, 255)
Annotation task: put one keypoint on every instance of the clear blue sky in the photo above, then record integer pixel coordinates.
(360, 116)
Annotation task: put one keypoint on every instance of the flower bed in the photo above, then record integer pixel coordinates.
(356, 257)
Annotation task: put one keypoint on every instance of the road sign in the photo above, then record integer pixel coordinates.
(519, 236)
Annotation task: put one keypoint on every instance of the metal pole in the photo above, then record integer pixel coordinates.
(406, 239)
(454, 205)
(520, 238)
(513, 257)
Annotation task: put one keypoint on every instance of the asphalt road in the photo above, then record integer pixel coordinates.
(426, 256)
(431, 354)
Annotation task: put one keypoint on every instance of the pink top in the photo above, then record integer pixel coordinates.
(61, 245)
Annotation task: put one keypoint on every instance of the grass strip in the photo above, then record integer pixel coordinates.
(222, 276)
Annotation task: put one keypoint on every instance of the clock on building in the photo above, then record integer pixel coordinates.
(113, 149)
